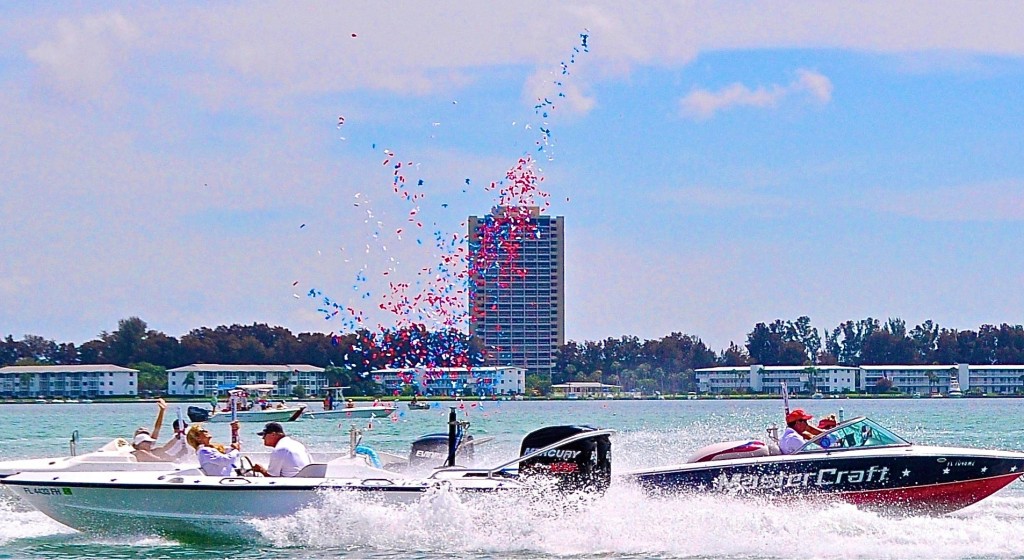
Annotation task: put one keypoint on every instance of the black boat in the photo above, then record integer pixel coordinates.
(858, 461)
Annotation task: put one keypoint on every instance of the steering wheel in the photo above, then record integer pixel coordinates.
(250, 470)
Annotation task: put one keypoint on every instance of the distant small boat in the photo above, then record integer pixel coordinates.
(817, 395)
(246, 399)
(419, 405)
(954, 389)
(335, 406)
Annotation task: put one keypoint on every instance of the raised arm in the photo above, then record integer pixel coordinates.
(155, 434)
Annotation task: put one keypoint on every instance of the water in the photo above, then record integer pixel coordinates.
(621, 524)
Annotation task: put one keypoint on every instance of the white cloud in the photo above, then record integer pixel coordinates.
(86, 56)
(703, 104)
(1001, 201)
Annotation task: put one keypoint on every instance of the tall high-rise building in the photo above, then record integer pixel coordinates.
(517, 287)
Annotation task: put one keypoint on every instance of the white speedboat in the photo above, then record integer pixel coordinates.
(335, 406)
(189, 502)
(117, 456)
(114, 456)
(248, 403)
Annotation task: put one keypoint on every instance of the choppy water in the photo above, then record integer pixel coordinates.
(621, 524)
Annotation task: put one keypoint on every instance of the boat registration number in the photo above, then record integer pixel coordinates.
(47, 491)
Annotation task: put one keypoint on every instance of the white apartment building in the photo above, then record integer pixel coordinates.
(483, 380)
(585, 389)
(769, 379)
(207, 379)
(909, 379)
(75, 381)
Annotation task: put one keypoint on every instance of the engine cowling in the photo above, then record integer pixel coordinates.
(585, 464)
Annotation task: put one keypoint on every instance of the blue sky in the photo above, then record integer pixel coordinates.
(717, 164)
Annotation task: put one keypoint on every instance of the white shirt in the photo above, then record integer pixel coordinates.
(288, 458)
(215, 463)
(178, 449)
(791, 441)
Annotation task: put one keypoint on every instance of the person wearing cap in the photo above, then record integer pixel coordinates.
(144, 439)
(145, 450)
(155, 432)
(215, 459)
(288, 457)
(798, 431)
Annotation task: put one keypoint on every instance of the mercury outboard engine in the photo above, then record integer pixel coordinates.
(583, 464)
(198, 414)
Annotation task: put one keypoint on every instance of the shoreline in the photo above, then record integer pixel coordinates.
(197, 400)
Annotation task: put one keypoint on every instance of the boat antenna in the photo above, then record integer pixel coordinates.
(234, 420)
(73, 444)
(453, 428)
(785, 397)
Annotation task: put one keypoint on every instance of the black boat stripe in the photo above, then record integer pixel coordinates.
(240, 487)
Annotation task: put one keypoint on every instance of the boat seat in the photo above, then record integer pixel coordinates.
(313, 470)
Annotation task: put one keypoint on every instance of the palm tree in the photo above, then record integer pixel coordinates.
(190, 379)
(283, 380)
(932, 381)
(25, 380)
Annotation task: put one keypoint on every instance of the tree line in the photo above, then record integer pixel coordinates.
(665, 364)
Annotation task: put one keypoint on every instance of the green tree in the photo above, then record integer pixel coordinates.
(151, 377)
(299, 391)
(538, 384)
(883, 385)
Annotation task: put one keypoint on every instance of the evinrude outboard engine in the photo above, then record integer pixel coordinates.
(457, 444)
(198, 414)
(431, 450)
(582, 464)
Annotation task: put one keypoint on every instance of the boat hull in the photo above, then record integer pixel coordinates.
(912, 479)
(181, 505)
(358, 412)
(273, 415)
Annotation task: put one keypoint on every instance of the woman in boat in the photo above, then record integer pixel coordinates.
(215, 459)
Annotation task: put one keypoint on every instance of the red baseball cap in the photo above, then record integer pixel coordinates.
(797, 414)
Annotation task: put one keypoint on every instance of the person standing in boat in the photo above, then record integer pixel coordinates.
(215, 459)
(798, 431)
(289, 455)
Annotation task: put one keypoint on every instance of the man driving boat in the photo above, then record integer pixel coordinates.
(798, 431)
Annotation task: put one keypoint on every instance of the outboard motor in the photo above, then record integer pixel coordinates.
(198, 414)
(582, 464)
(432, 450)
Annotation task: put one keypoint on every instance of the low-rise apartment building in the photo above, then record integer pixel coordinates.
(207, 379)
(484, 380)
(74, 381)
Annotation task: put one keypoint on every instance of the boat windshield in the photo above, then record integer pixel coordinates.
(859, 432)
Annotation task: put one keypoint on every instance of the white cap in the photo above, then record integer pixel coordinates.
(142, 438)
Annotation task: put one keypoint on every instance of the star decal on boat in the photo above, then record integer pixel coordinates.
(906, 473)
(945, 470)
(984, 469)
(1013, 468)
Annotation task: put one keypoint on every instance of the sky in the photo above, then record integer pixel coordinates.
(718, 164)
